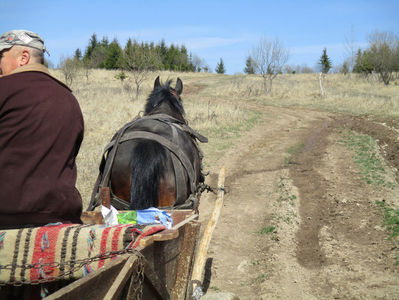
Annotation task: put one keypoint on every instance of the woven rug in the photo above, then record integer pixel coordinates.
(66, 251)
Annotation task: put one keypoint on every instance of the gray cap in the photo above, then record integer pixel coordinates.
(21, 38)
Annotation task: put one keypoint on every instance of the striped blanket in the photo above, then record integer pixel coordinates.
(66, 251)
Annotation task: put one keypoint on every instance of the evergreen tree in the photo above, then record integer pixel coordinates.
(325, 62)
(128, 46)
(220, 67)
(163, 50)
(113, 58)
(93, 43)
(184, 61)
(78, 55)
(105, 42)
(172, 58)
(249, 66)
(363, 62)
(356, 67)
(344, 68)
(131, 52)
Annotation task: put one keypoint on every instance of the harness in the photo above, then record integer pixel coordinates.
(181, 163)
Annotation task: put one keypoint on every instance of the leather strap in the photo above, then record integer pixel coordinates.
(168, 144)
(106, 166)
(180, 160)
(180, 175)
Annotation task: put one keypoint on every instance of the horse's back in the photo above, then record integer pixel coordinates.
(173, 133)
(130, 164)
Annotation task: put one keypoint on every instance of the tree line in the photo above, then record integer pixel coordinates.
(135, 56)
(137, 59)
(268, 58)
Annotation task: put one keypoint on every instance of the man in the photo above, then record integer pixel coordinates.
(41, 130)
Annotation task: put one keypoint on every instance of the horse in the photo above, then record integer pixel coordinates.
(154, 160)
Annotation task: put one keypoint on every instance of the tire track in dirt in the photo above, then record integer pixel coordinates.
(254, 167)
(328, 241)
(344, 235)
(312, 193)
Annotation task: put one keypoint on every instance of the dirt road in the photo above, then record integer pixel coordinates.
(298, 221)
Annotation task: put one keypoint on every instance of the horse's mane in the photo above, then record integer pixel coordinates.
(163, 93)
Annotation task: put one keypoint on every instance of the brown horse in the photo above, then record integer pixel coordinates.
(153, 161)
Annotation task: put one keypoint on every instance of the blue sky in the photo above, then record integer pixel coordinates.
(209, 29)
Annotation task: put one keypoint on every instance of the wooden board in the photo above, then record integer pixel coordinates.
(202, 251)
(96, 285)
(168, 265)
(185, 261)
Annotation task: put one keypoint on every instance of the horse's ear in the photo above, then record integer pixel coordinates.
(179, 86)
(157, 83)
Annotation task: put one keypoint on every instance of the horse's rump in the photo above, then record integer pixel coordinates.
(155, 145)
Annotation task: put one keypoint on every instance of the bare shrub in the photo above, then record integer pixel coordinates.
(136, 79)
(237, 80)
(253, 89)
(70, 69)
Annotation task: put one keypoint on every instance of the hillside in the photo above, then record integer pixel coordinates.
(311, 180)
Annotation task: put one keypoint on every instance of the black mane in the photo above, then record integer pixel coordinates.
(162, 93)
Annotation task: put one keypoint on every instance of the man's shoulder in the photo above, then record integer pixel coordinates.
(36, 71)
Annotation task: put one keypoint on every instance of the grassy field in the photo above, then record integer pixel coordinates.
(221, 107)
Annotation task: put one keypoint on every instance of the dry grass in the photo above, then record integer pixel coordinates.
(216, 106)
(352, 94)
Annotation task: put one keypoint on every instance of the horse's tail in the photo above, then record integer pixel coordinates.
(147, 168)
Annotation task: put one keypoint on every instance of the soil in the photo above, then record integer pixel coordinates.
(298, 221)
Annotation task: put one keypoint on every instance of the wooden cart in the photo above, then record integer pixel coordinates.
(161, 267)
(162, 272)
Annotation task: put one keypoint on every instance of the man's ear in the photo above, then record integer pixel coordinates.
(24, 57)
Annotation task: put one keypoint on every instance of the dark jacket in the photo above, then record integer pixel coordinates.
(41, 130)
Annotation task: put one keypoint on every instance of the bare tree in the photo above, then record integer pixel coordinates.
(199, 63)
(87, 70)
(351, 49)
(139, 62)
(70, 69)
(306, 70)
(289, 69)
(269, 58)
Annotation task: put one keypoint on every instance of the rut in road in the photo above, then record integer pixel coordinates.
(254, 168)
(326, 239)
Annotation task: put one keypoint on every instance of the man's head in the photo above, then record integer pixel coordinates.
(19, 48)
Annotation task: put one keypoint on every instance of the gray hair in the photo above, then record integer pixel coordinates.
(37, 55)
